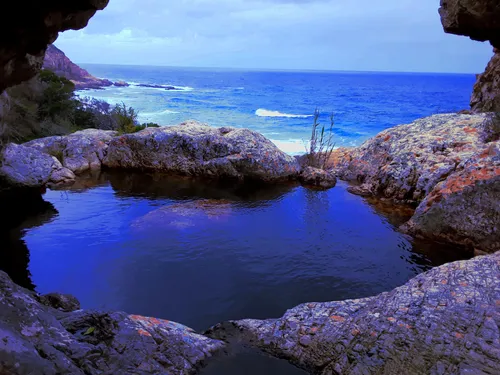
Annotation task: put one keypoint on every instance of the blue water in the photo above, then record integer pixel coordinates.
(277, 103)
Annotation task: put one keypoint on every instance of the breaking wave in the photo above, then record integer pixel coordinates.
(267, 113)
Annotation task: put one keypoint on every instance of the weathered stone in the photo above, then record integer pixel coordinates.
(197, 149)
(480, 20)
(477, 19)
(446, 163)
(317, 178)
(56, 61)
(36, 339)
(445, 321)
(28, 26)
(486, 93)
(25, 166)
(81, 151)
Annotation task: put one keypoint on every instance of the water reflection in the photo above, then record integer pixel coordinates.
(200, 253)
(21, 210)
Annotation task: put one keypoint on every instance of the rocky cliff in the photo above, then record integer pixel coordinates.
(59, 63)
(27, 27)
(479, 20)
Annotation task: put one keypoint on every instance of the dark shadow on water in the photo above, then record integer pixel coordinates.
(157, 186)
(20, 210)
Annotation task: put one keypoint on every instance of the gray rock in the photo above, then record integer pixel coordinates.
(317, 178)
(197, 149)
(58, 301)
(445, 321)
(25, 166)
(37, 339)
(447, 164)
(80, 151)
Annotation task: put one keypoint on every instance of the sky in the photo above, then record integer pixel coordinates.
(353, 35)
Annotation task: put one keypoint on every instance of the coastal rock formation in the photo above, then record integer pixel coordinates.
(445, 321)
(317, 178)
(486, 94)
(448, 164)
(23, 166)
(80, 151)
(197, 149)
(56, 61)
(27, 27)
(39, 339)
(480, 21)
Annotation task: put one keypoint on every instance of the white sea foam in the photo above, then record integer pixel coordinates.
(290, 146)
(267, 113)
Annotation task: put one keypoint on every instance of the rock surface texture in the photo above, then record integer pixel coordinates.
(28, 26)
(200, 150)
(56, 61)
(480, 20)
(23, 166)
(39, 339)
(317, 178)
(80, 151)
(486, 94)
(445, 321)
(448, 165)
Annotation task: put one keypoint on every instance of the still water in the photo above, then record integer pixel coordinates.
(201, 253)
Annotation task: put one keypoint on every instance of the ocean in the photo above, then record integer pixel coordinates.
(280, 104)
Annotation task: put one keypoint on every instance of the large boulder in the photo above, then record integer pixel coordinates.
(445, 321)
(448, 165)
(28, 26)
(37, 339)
(80, 151)
(23, 166)
(197, 149)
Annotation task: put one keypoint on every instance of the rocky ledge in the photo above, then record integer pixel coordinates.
(191, 149)
(49, 335)
(445, 321)
(447, 165)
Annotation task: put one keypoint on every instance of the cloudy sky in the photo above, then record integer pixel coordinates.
(391, 35)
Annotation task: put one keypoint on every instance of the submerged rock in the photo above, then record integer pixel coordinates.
(444, 321)
(37, 339)
(197, 149)
(80, 151)
(317, 178)
(447, 164)
(184, 215)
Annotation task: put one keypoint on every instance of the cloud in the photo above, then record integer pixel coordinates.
(297, 34)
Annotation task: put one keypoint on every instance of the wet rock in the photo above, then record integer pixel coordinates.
(23, 166)
(80, 151)
(317, 178)
(444, 321)
(56, 61)
(26, 30)
(197, 149)
(447, 165)
(37, 339)
(121, 84)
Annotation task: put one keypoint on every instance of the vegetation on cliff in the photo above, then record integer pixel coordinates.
(47, 105)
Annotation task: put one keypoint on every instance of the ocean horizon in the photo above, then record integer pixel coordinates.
(281, 104)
